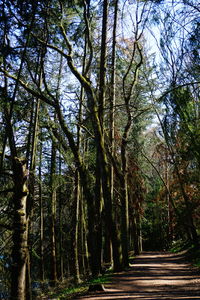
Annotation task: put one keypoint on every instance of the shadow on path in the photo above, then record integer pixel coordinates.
(153, 276)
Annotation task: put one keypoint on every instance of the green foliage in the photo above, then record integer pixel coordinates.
(191, 252)
(179, 245)
(101, 279)
(155, 227)
(69, 293)
(80, 289)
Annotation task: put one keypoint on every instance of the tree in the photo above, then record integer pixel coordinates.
(80, 99)
(175, 57)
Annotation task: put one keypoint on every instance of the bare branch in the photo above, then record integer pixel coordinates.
(30, 90)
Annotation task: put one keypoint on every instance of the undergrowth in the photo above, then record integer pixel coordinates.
(61, 292)
(192, 253)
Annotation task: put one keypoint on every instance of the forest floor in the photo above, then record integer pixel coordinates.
(153, 276)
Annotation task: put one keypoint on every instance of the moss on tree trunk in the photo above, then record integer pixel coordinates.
(19, 251)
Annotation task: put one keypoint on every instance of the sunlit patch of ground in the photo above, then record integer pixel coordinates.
(153, 276)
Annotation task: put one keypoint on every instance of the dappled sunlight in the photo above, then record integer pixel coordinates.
(154, 277)
(144, 296)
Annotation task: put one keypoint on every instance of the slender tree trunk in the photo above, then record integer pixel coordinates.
(169, 204)
(61, 260)
(84, 244)
(53, 275)
(81, 145)
(103, 63)
(53, 239)
(98, 215)
(136, 234)
(124, 194)
(101, 151)
(30, 202)
(109, 218)
(92, 236)
(75, 233)
(61, 252)
(112, 118)
(107, 251)
(41, 266)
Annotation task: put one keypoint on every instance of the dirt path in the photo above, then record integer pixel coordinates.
(153, 276)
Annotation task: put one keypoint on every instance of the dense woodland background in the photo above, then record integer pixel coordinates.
(99, 136)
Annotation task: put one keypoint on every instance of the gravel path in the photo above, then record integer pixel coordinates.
(153, 276)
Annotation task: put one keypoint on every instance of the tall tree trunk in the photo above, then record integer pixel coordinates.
(19, 252)
(109, 217)
(127, 92)
(75, 233)
(136, 233)
(61, 252)
(19, 249)
(84, 244)
(53, 274)
(61, 258)
(32, 148)
(101, 151)
(82, 145)
(124, 197)
(42, 276)
(168, 201)
(30, 202)
(98, 214)
(103, 64)
(20, 229)
(112, 115)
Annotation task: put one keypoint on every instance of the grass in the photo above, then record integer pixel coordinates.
(80, 289)
(179, 246)
(68, 293)
(192, 253)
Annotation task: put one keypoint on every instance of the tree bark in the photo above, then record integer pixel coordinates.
(103, 64)
(42, 276)
(19, 252)
(98, 214)
(124, 207)
(112, 120)
(53, 274)
(100, 142)
(75, 233)
(127, 92)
